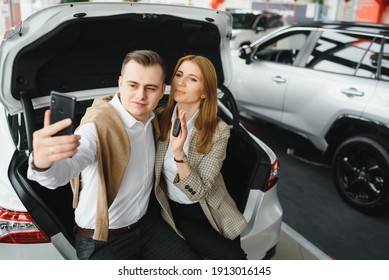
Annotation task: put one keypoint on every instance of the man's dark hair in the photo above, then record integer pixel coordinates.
(146, 58)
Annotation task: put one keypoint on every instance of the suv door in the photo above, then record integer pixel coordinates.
(338, 77)
(260, 86)
(378, 107)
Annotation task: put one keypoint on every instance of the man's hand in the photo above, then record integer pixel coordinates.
(48, 148)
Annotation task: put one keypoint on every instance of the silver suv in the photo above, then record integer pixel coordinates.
(329, 83)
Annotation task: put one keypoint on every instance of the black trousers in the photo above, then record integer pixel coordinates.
(202, 237)
(154, 239)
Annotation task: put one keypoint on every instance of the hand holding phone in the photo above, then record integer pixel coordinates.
(176, 127)
(62, 106)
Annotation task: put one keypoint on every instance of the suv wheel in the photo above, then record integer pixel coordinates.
(361, 173)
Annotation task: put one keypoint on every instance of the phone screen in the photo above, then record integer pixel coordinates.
(63, 106)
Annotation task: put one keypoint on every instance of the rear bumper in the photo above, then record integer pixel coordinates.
(45, 251)
(264, 215)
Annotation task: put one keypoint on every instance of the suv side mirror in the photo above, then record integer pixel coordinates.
(245, 52)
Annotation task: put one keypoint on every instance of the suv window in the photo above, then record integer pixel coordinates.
(385, 61)
(243, 21)
(343, 53)
(262, 22)
(275, 22)
(282, 49)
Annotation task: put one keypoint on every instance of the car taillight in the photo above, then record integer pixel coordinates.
(273, 179)
(18, 227)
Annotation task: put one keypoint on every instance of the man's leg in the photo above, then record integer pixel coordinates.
(126, 246)
(84, 247)
(161, 242)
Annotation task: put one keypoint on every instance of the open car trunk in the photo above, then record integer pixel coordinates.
(84, 53)
(76, 47)
(87, 53)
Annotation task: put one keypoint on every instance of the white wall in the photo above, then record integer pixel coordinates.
(244, 4)
(4, 11)
(331, 7)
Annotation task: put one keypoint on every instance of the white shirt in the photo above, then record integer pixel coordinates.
(169, 169)
(132, 199)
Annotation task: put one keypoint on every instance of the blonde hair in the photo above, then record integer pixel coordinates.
(207, 119)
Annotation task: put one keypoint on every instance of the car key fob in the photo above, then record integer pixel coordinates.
(176, 127)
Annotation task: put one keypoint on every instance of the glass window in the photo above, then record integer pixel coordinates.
(243, 21)
(262, 22)
(385, 62)
(275, 22)
(343, 53)
(282, 49)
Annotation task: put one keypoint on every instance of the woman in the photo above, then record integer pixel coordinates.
(191, 190)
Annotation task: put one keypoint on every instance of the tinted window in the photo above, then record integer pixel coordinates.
(262, 22)
(385, 62)
(275, 22)
(243, 21)
(282, 49)
(345, 54)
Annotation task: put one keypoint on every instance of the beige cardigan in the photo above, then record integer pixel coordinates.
(113, 154)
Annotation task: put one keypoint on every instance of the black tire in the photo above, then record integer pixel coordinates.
(361, 173)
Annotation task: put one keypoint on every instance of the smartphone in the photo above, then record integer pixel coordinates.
(63, 106)
(176, 127)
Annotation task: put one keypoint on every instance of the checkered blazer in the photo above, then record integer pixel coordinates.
(204, 184)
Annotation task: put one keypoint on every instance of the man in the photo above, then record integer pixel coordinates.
(114, 151)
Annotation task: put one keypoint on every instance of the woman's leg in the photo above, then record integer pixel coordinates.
(202, 237)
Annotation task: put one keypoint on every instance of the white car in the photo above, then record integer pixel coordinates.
(78, 49)
(247, 27)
